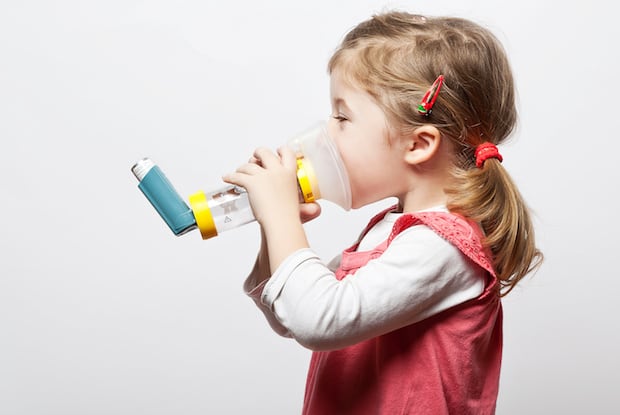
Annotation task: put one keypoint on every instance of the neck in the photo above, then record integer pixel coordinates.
(426, 190)
(418, 200)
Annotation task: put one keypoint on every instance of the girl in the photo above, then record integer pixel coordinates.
(409, 319)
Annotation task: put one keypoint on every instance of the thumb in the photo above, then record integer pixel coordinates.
(309, 211)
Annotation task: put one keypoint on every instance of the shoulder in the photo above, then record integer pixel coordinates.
(427, 268)
(464, 235)
(421, 243)
(447, 225)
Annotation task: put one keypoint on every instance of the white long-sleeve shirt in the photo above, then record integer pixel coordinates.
(420, 274)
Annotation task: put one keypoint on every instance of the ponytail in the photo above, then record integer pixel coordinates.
(488, 195)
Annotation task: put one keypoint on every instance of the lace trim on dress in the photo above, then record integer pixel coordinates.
(457, 230)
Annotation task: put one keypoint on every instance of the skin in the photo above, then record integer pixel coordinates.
(413, 168)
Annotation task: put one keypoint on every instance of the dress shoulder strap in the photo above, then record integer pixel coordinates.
(465, 235)
(373, 221)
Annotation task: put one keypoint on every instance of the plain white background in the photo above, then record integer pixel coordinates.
(104, 311)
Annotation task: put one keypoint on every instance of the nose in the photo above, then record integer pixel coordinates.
(332, 129)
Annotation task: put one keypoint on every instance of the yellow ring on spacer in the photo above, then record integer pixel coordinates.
(202, 214)
(304, 182)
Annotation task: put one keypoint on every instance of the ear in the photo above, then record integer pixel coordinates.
(422, 144)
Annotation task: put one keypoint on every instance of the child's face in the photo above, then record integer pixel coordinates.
(358, 126)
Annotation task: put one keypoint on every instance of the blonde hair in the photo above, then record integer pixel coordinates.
(395, 57)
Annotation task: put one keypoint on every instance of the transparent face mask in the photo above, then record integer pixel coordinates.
(320, 168)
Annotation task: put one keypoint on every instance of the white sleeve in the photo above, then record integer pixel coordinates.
(419, 275)
(255, 291)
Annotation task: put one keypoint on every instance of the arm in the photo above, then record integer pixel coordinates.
(395, 290)
(255, 283)
(261, 272)
(271, 183)
(262, 269)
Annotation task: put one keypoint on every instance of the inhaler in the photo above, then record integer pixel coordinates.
(320, 175)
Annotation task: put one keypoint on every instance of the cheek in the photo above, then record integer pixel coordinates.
(345, 153)
(351, 166)
(361, 180)
(350, 161)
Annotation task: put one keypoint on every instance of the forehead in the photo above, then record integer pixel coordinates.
(344, 91)
(343, 86)
(345, 96)
(353, 100)
(349, 93)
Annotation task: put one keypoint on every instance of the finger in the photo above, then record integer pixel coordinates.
(249, 168)
(287, 157)
(242, 173)
(309, 211)
(266, 157)
(234, 178)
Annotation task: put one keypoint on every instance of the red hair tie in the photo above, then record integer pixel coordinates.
(486, 151)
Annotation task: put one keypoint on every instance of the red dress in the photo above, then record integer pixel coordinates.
(448, 363)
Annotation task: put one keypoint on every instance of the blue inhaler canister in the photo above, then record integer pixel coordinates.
(164, 198)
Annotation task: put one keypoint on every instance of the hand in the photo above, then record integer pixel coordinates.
(309, 211)
(271, 182)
